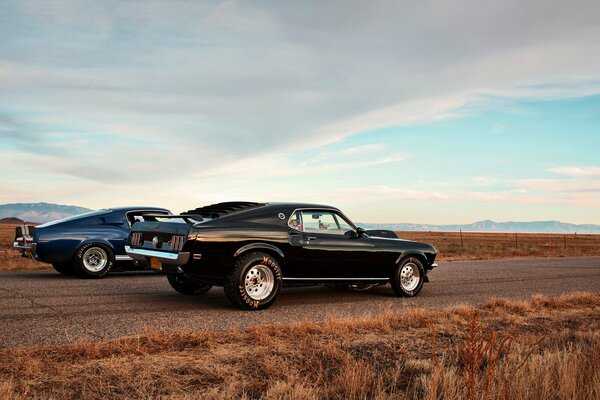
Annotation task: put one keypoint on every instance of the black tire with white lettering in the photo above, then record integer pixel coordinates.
(408, 277)
(94, 260)
(185, 285)
(255, 281)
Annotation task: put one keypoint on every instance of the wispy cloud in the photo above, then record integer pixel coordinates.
(577, 171)
(127, 94)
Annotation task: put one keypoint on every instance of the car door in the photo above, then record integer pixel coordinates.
(329, 251)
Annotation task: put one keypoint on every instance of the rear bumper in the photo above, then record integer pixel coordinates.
(26, 250)
(180, 258)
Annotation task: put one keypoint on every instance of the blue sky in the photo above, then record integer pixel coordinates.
(393, 111)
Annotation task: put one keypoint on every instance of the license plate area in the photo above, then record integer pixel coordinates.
(155, 264)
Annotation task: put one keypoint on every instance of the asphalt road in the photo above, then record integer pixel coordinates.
(45, 307)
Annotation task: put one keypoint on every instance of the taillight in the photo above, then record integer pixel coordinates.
(176, 242)
(137, 239)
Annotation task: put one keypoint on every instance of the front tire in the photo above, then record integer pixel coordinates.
(184, 285)
(255, 281)
(94, 260)
(409, 277)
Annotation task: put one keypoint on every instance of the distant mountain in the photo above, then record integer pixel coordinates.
(492, 226)
(39, 212)
(11, 220)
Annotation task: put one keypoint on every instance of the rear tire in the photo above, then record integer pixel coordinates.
(255, 281)
(184, 285)
(94, 260)
(408, 277)
(65, 267)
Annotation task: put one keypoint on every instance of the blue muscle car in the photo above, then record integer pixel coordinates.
(89, 244)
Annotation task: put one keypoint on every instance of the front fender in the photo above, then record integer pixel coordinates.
(427, 257)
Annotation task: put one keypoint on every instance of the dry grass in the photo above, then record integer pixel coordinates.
(544, 348)
(480, 246)
(10, 260)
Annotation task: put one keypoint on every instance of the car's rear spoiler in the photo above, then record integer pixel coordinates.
(188, 218)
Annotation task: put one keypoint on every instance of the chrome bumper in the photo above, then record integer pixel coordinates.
(20, 246)
(164, 257)
(434, 265)
(27, 250)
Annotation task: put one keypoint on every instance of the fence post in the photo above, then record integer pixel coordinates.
(516, 240)
(565, 239)
(461, 239)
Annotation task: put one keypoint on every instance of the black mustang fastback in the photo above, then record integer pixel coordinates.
(251, 249)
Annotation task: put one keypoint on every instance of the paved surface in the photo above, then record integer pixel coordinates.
(45, 307)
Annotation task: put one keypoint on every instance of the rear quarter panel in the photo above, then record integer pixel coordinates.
(59, 243)
(219, 244)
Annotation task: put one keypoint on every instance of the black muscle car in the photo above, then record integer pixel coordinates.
(251, 249)
(88, 244)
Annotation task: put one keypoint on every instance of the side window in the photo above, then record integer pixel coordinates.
(343, 224)
(295, 221)
(322, 222)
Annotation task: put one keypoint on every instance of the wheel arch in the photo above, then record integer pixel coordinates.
(265, 248)
(103, 242)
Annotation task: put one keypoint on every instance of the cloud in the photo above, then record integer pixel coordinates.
(118, 93)
(574, 171)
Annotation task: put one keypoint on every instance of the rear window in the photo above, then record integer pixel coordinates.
(75, 217)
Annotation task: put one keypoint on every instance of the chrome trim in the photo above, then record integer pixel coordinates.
(123, 258)
(16, 245)
(164, 257)
(336, 279)
(434, 265)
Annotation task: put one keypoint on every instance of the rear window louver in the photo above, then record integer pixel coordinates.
(218, 210)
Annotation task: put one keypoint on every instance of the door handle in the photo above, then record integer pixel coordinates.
(311, 238)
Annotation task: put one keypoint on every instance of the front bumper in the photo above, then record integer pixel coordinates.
(180, 258)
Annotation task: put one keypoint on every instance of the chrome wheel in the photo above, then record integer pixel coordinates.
(410, 276)
(259, 282)
(95, 259)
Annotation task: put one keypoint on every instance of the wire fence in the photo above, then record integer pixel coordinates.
(499, 243)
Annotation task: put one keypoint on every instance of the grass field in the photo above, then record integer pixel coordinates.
(478, 246)
(473, 246)
(543, 348)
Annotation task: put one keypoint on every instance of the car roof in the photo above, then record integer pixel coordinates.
(246, 209)
(138, 208)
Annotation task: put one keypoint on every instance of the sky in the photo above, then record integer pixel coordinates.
(427, 112)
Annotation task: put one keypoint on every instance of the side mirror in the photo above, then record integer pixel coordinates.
(360, 232)
(351, 234)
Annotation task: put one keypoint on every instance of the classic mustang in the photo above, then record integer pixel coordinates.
(251, 249)
(89, 244)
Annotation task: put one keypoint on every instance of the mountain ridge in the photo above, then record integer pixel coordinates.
(43, 212)
(40, 212)
(488, 225)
